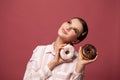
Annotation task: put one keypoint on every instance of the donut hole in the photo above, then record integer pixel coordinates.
(67, 52)
(88, 51)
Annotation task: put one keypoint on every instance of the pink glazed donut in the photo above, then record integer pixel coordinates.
(67, 52)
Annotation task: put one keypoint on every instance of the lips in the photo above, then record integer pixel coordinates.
(63, 30)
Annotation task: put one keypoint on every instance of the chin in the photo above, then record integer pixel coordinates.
(60, 33)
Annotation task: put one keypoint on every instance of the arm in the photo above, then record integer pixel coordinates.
(78, 72)
(33, 71)
(80, 66)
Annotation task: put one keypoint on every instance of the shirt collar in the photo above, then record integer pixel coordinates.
(50, 49)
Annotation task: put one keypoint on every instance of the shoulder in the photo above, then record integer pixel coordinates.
(38, 51)
(39, 48)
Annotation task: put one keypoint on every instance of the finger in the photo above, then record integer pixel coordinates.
(63, 45)
(93, 59)
(57, 55)
(61, 48)
(73, 57)
(80, 49)
(80, 53)
(68, 60)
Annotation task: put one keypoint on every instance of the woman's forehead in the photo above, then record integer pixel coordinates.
(76, 23)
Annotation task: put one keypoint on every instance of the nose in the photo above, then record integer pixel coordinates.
(68, 28)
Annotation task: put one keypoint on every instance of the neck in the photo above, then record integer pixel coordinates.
(58, 43)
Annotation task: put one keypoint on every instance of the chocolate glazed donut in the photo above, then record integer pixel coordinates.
(88, 52)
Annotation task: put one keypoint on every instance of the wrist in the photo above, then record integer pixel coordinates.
(79, 67)
(52, 65)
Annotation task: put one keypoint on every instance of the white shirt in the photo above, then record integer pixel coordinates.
(37, 68)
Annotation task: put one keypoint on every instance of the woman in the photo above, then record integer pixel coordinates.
(46, 63)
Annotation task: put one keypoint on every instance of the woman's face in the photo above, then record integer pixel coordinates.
(70, 30)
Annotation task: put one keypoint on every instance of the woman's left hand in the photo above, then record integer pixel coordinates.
(83, 61)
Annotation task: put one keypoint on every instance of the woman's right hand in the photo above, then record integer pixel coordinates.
(57, 59)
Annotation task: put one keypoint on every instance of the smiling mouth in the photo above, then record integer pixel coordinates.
(63, 30)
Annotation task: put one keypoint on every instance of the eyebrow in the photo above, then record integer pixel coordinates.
(70, 21)
(77, 31)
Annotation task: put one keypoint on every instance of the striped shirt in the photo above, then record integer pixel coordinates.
(37, 68)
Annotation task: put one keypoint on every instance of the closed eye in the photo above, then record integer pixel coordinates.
(69, 22)
(76, 30)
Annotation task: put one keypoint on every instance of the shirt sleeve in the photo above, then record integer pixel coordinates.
(33, 71)
(77, 76)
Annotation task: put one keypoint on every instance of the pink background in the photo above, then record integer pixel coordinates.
(24, 24)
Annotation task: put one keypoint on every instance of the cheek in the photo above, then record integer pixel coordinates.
(73, 36)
